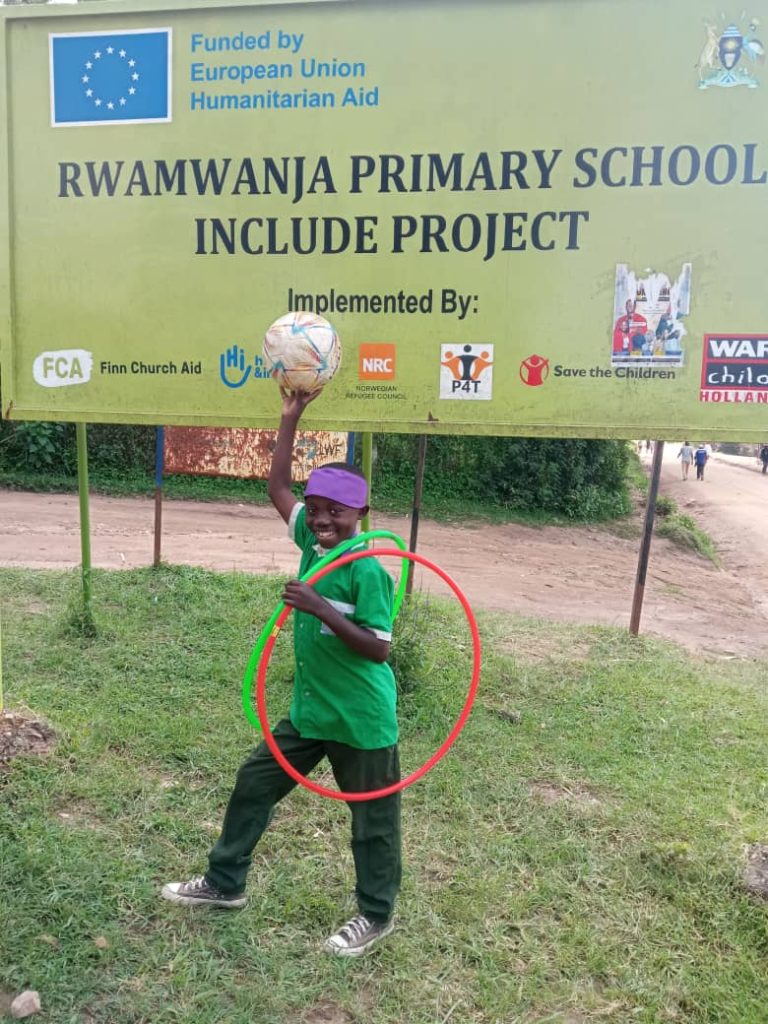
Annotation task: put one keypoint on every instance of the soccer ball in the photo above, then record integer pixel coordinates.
(302, 351)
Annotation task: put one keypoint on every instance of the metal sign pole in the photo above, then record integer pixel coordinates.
(368, 470)
(645, 546)
(417, 492)
(159, 451)
(1, 663)
(350, 448)
(85, 524)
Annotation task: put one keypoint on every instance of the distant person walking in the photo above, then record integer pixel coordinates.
(686, 458)
(764, 457)
(700, 458)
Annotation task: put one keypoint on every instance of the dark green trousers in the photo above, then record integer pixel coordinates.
(261, 783)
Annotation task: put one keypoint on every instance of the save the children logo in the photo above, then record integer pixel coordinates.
(466, 372)
(110, 78)
(726, 54)
(534, 371)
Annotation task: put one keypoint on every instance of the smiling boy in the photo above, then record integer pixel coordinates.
(343, 707)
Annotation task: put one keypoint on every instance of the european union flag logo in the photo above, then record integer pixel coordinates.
(108, 78)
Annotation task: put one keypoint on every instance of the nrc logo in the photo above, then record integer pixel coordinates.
(378, 366)
(62, 368)
(376, 362)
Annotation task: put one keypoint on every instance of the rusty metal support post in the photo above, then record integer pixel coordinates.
(368, 470)
(645, 546)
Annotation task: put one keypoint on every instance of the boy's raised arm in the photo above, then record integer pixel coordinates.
(279, 484)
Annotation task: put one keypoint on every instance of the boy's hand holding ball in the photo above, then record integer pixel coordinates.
(295, 402)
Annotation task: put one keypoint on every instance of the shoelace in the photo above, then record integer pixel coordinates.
(356, 928)
(196, 884)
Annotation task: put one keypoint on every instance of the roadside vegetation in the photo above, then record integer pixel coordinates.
(578, 856)
(522, 479)
(532, 481)
(670, 522)
(683, 530)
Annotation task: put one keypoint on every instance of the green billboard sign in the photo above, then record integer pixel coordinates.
(520, 217)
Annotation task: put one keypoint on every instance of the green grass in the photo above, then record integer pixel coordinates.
(683, 530)
(637, 476)
(575, 859)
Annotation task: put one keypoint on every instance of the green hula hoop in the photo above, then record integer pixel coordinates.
(359, 538)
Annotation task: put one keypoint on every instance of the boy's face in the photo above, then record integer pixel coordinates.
(330, 521)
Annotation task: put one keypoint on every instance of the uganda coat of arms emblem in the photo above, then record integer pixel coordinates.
(727, 54)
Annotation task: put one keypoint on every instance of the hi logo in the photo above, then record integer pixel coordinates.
(466, 371)
(376, 362)
(235, 369)
(62, 368)
(534, 371)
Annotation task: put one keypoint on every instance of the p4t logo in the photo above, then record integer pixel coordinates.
(466, 372)
(62, 368)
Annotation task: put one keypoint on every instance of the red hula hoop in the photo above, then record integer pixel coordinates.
(261, 703)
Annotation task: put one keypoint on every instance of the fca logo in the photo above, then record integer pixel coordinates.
(377, 362)
(63, 367)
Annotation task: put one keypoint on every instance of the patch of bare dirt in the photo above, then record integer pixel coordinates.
(528, 647)
(22, 733)
(550, 793)
(35, 607)
(441, 867)
(326, 1012)
(756, 870)
(79, 814)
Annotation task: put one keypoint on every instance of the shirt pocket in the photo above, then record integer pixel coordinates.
(345, 609)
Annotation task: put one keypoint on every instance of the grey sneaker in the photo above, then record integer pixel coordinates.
(198, 892)
(357, 936)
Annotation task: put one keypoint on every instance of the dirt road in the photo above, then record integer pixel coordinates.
(731, 504)
(578, 574)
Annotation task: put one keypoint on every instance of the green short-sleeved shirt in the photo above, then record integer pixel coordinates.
(338, 694)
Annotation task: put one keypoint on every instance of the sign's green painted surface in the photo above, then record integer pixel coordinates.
(522, 217)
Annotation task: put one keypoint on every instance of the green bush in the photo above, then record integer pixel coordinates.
(410, 652)
(572, 478)
(38, 447)
(50, 447)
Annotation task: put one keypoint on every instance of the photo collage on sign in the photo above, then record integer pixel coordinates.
(649, 311)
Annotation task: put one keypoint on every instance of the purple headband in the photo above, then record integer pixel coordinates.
(338, 485)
